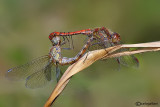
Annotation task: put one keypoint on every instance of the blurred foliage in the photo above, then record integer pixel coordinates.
(24, 29)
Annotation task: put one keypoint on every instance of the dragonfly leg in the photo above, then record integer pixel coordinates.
(71, 46)
(105, 30)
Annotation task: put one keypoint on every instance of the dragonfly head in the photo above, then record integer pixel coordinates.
(55, 40)
(116, 37)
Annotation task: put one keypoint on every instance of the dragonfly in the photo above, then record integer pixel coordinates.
(106, 38)
(102, 38)
(38, 72)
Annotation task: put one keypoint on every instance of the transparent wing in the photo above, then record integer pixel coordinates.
(23, 71)
(98, 43)
(95, 45)
(58, 73)
(41, 77)
(129, 61)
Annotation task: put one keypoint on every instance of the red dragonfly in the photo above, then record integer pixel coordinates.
(106, 38)
(102, 38)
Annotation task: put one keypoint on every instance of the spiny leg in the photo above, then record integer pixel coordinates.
(71, 46)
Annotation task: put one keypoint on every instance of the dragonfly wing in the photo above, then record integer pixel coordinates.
(98, 43)
(95, 45)
(48, 71)
(130, 61)
(23, 71)
(40, 78)
(58, 73)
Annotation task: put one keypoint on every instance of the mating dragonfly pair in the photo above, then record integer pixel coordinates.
(38, 72)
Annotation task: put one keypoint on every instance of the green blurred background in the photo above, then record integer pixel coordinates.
(24, 29)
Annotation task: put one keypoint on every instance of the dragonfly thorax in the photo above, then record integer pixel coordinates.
(55, 53)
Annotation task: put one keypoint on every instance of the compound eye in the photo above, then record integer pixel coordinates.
(55, 40)
(51, 36)
(115, 37)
